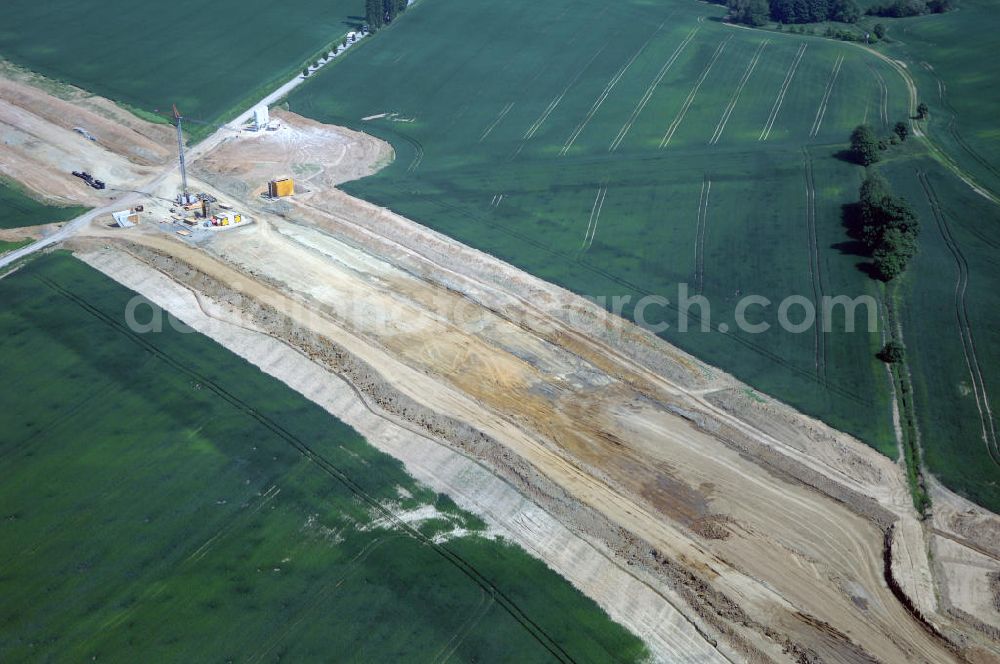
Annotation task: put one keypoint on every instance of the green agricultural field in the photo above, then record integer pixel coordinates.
(957, 82)
(18, 209)
(163, 500)
(211, 59)
(950, 299)
(6, 247)
(626, 148)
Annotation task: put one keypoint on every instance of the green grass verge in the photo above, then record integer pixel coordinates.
(6, 247)
(163, 500)
(19, 210)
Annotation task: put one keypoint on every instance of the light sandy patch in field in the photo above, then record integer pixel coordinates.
(314, 154)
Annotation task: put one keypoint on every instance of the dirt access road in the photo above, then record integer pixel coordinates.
(764, 528)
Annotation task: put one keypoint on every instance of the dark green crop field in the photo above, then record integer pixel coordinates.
(18, 210)
(163, 500)
(950, 299)
(951, 59)
(624, 149)
(210, 58)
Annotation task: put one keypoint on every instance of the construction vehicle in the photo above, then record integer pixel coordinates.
(89, 179)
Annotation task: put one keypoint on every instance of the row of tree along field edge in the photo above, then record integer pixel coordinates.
(180, 505)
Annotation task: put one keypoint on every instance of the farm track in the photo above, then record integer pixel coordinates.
(956, 135)
(651, 89)
(724, 120)
(986, 418)
(782, 91)
(821, 111)
(815, 269)
(608, 88)
(679, 118)
(327, 467)
(699, 242)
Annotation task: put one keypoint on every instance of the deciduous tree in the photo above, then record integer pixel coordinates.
(901, 130)
(864, 145)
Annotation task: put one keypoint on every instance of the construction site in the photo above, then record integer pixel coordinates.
(713, 522)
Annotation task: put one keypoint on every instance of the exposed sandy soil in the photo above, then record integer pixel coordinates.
(41, 148)
(472, 485)
(766, 529)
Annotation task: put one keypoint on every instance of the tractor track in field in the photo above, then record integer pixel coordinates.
(782, 91)
(883, 95)
(675, 125)
(815, 269)
(503, 113)
(540, 120)
(485, 604)
(327, 467)
(651, 89)
(699, 238)
(608, 89)
(595, 215)
(724, 120)
(821, 111)
(323, 591)
(956, 135)
(987, 422)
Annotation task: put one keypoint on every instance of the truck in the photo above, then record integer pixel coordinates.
(89, 179)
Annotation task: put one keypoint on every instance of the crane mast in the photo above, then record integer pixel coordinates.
(180, 153)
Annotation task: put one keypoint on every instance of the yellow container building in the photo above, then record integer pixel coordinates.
(281, 188)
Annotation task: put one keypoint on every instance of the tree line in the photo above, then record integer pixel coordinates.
(759, 12)
(902, 8)
(888, 226)
(380, 13)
